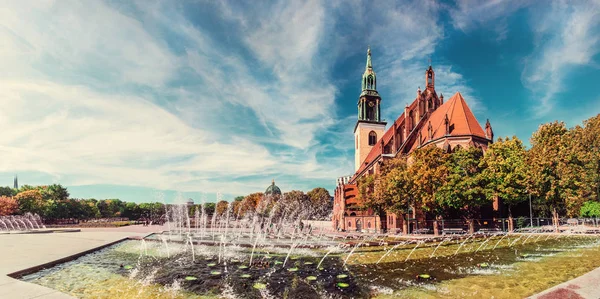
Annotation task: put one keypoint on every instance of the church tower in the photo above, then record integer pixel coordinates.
(369, 128)
(16, 182)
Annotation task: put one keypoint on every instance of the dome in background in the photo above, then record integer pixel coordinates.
(273, 189)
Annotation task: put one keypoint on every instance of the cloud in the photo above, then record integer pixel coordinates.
(142, 96)
(566, 36)
(468, 15)
(211, 96)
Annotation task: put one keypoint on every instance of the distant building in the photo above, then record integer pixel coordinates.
(427, 120)
(190, 202)
(273, 189)
(16, 182)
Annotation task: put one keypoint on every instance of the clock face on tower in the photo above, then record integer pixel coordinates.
(371, 104)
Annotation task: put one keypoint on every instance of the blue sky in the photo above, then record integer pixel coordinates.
(216, 98)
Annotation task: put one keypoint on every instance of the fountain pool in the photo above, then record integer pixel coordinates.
(366, 267)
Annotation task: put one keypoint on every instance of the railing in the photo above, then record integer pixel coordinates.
(525, 224)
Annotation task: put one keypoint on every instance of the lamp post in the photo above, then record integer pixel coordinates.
(530, 211)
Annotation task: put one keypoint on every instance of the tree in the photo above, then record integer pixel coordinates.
(464, 188)
(398, 189)
(57, 192)
(372, 194)
(131, 211)
(544, 160)
(31, 201)
(26, 188)
(7, 191)
(576, 183)
(505, 173)
(321, 203)
(249, 203)
(8, 205)
(590, 209)
(590, 142)
(428, 172)
(221, 207)
(293, 206)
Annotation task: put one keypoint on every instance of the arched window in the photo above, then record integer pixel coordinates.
(372, 138)
(430, 78)
(370, 82)
(349, 223)
(430, 105)
(369, 224)
(352, 214)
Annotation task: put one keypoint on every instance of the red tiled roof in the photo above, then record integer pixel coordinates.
(462, 122)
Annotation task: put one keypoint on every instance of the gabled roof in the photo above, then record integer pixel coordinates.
(462, 122)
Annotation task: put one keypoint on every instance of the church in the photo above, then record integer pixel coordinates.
(427, 120)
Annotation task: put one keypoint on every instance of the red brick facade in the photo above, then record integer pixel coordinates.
(427, 120)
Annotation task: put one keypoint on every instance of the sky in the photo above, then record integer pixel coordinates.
(167, 100)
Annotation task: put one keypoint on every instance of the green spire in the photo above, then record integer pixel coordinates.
(369, 66)
(369, 81)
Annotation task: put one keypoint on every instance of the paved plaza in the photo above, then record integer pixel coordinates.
(22, 251)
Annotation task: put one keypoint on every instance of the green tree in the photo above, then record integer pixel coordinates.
(26, 188)
(57, 192)
(505, 173)
(131, 211)
(7, 191)
(321, 204)
(398, 189)
(590, 209)
(464, 187)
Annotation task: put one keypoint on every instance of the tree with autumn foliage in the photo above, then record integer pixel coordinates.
(31, 201)
(428, 170)
(544, 158)
(8, 205)
(505, 173)
(221, 207)
(589, 141)
(371, 193)
(249, 204)
(464, 188)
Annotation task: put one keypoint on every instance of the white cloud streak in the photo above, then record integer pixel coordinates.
(567, 36)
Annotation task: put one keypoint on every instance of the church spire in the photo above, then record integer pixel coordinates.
(369, 79)
(369, 66)
(16, 182)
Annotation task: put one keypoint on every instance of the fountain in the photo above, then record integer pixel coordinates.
(269, 251)
(21, 223)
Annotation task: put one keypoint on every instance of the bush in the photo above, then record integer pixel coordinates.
(590, 209)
